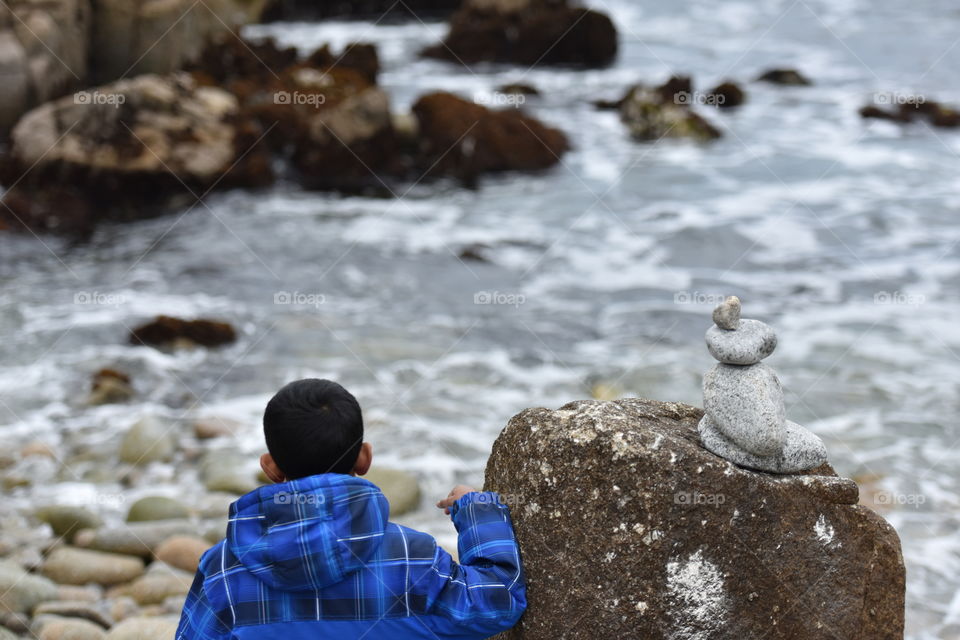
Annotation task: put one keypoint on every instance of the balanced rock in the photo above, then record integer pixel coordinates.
(628, 525)
(69, 565)
(745, 418)
(751, 342)
(727, 314)
(746, 404)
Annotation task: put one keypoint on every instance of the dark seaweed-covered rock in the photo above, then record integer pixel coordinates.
(726, 95)
(370, 9)
(628, 525)
(788, 77)
(527, 32)
(167, 331)
(913, 109)
(462, 139)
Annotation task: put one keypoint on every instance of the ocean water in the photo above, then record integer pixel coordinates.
(841, 233)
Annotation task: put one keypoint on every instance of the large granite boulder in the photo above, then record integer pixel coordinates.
(159, 36)
(628, 525)
(527, 32)
(44, 48)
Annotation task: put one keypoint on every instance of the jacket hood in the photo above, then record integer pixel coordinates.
(308, 533)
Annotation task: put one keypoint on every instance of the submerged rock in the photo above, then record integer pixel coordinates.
(167, 331)
(527, 32)
(623, 517)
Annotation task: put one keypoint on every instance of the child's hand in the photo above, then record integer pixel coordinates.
(455, 494)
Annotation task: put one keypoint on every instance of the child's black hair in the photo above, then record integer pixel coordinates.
(313, 426)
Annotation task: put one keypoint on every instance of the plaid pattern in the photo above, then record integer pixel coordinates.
(319, 555)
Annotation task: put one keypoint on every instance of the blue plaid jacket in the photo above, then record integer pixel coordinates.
(317, 558)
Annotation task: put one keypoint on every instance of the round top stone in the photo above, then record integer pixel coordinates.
(727, 314)
(749, 344)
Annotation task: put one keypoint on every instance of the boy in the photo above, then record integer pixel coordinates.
(313, 556)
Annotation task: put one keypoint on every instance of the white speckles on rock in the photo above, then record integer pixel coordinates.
(823, 530)
(698, 598)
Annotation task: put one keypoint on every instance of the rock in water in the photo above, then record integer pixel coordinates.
(628, 525)
(664, 112)
(463, 139)
(528, 32)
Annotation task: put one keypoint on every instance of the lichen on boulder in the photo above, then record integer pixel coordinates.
(628, 525)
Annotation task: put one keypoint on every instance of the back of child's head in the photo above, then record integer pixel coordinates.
(313, 426)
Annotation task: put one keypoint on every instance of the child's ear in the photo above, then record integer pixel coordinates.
(271, 469)
(364, 459)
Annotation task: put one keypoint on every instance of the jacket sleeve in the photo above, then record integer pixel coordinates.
(485, 593)
(198, 620)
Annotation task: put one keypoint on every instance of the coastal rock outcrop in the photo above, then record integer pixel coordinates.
(527, 32)
(122, 151)
(628, 525)
(463, 139)
(44, 49)
(909, 109)
(654, 113)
